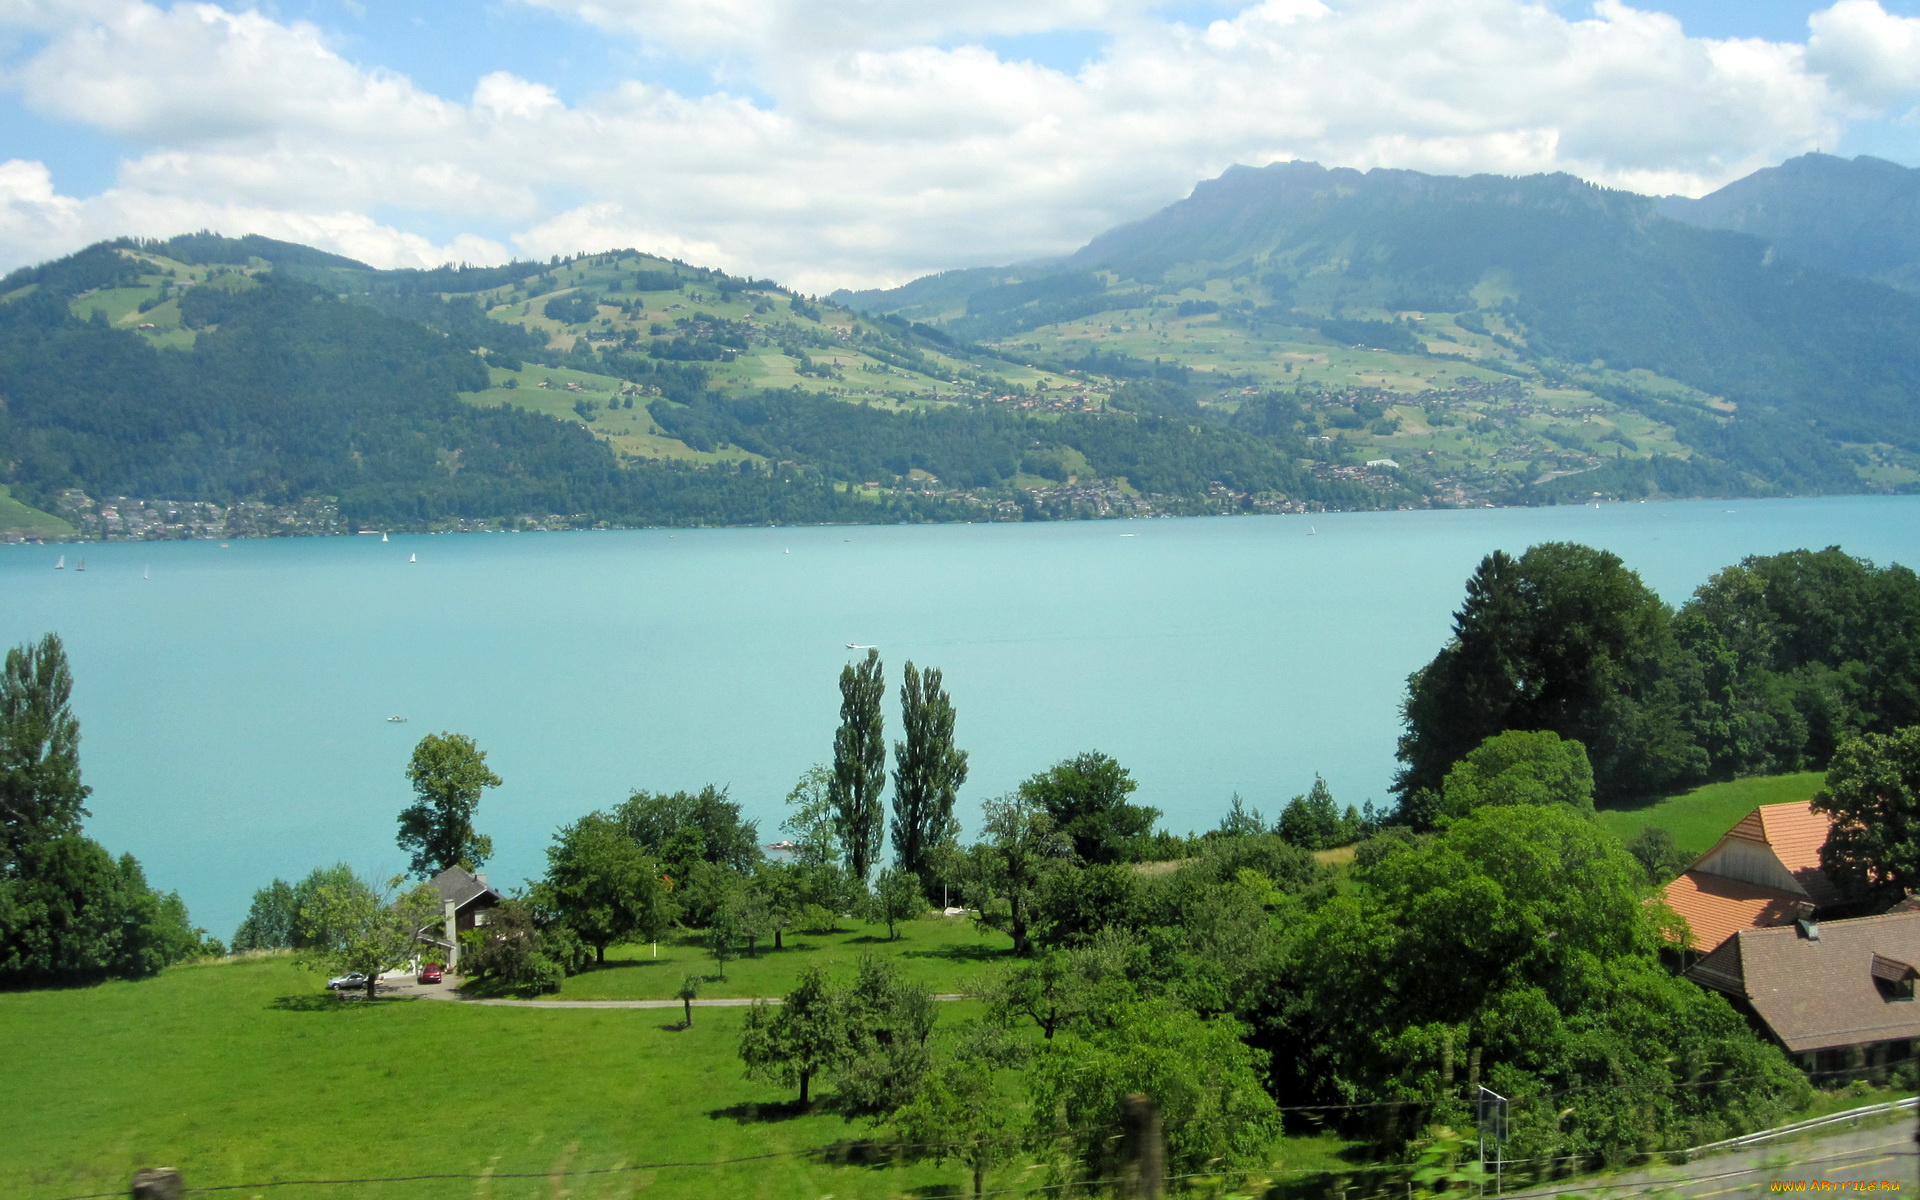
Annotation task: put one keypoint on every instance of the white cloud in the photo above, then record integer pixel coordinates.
(1871, 55)
(36, 223)
(885, 144)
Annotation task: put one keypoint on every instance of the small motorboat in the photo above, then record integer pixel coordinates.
(397, 720)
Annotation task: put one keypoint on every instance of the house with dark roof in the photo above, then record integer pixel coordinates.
(1835, 994)
(1764, 873)
(465, 899)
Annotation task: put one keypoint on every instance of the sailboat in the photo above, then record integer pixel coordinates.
(62, 564)
(81, 565)
(383, 535)
(146, 572)
(413, 558)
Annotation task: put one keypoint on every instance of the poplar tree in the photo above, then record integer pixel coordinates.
(41, 795)
(860, 766)
(927, 774)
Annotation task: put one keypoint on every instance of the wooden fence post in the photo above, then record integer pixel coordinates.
(1143, 1170)
(158, 1183)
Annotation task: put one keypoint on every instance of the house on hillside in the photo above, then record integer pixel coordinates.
(465, 899)
(1837, 995)
(1763, 874)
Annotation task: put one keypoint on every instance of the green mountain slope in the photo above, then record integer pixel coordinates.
(616, 388)
(1623, 352)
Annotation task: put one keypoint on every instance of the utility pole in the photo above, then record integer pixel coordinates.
(1143, 1149)
(1492, 1119)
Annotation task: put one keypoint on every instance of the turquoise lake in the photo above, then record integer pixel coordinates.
(234, 699)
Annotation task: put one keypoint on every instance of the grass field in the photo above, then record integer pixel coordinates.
(19, 518)
(1697, 819)
(248, 1072)
(941, 954)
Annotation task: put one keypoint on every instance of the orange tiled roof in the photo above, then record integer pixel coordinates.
(1716, 907)
(1796, 833)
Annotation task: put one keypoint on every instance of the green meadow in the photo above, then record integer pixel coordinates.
(1698, 818)
(249, 1072)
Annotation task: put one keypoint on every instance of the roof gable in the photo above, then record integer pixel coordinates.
(462, 887)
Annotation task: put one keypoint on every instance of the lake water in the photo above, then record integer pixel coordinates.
(234, 704)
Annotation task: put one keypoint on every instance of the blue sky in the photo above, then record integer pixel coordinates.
(866, 141)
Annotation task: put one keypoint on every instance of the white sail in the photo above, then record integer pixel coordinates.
(62, 564)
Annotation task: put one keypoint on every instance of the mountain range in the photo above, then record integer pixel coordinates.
(1287, 338)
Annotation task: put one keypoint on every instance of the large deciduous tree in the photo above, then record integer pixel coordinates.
(803, 1036)
(927, 773)
(1873, 794)
(1004, 872)
(448, 773)
(1087, 798)
(602, 885)
(1519, 767)
(1515, 946)
(860, 766)
(1564, 638)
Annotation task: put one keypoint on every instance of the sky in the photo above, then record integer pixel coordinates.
(830, 143)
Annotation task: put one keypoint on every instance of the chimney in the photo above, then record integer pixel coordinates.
(481, 876)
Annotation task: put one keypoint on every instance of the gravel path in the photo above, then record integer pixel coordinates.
(447, 991)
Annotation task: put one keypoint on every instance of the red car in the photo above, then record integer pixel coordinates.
(430, 973)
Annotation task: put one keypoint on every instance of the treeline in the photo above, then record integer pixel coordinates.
(1768, 667)
(69, 911)
(1157, 441)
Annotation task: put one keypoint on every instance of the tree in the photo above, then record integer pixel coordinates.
(68, 909)
(683, 828)
(803, 1036)
(1872, 793)
(74, 913)
(888, 1023)
(927, 773)
(1519, 767)
(897, 897)
(1789, 655)
(959, 1113)
(1564, 638)
(1087, 798)
(1214, 1111)
(41, 796)
(812, 823)
(1652, 847)
(1004, 871)
(448, 773)
(688, 993)
(270, 919)
(1066, 986)
(1312, 821)
(1553, 986)
(508, 949)
(358, 928)
(723, 936)
(860, 766)
(602, 885)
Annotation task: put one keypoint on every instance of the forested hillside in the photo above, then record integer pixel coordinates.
(613, 389)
